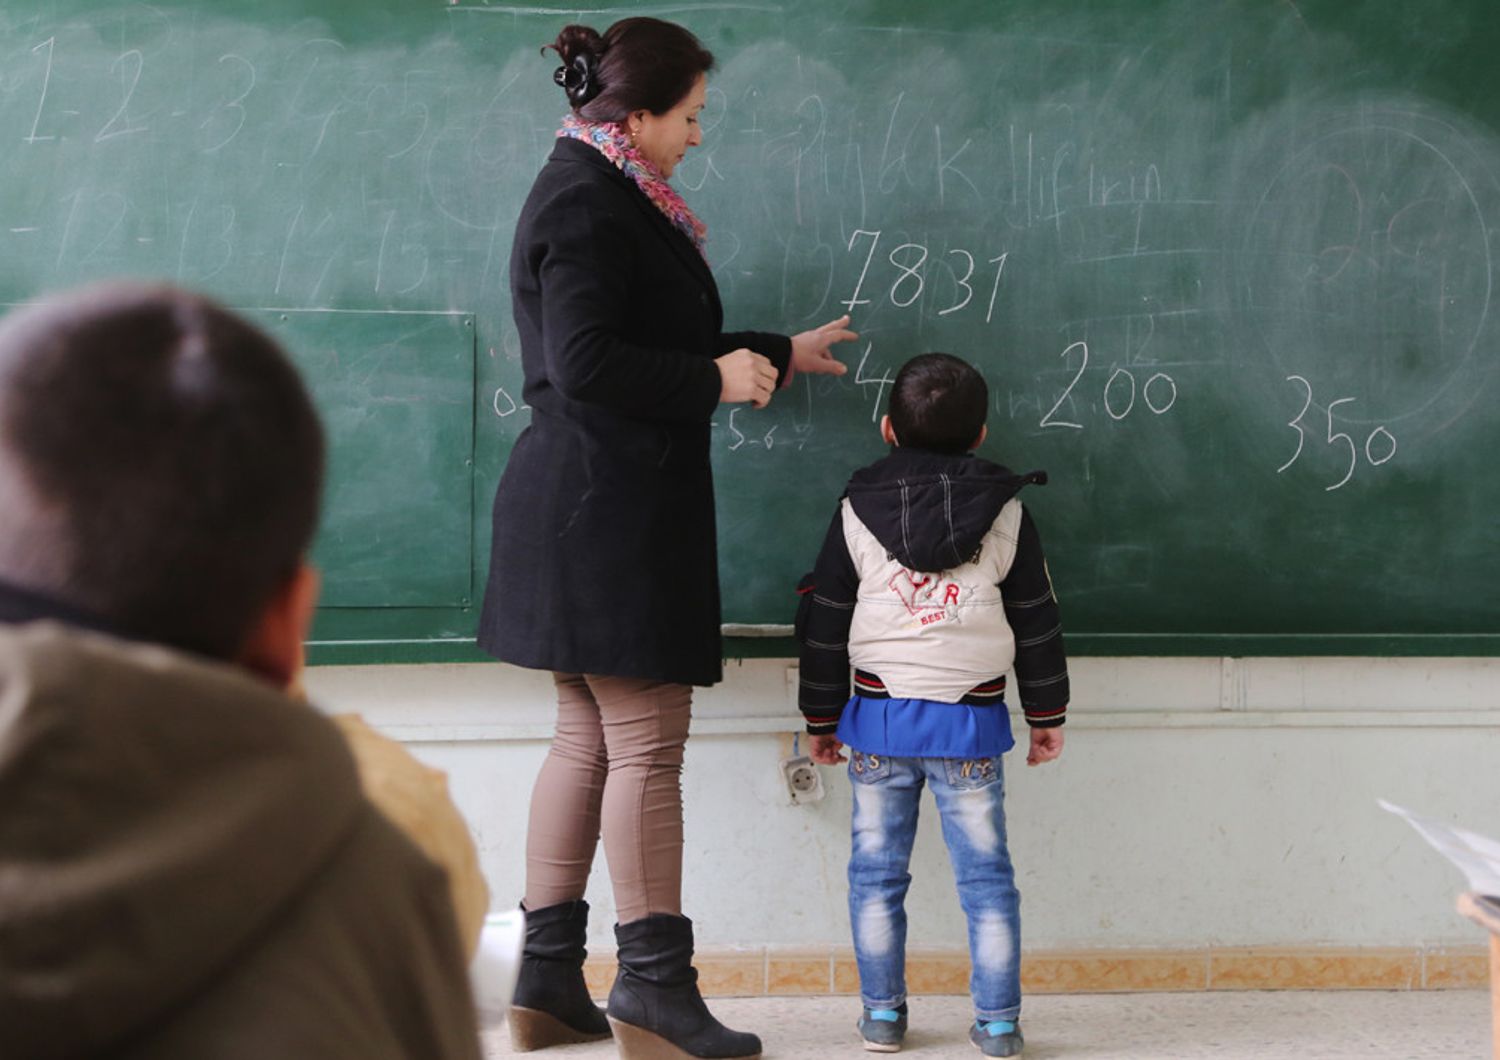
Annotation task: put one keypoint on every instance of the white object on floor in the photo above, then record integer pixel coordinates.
(496, 965)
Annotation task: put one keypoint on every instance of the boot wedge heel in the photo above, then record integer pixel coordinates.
(532, 1029)
(637, 1043)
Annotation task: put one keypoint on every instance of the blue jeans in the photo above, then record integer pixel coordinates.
(971, 802)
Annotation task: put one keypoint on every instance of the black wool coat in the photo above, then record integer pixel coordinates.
(603, 558)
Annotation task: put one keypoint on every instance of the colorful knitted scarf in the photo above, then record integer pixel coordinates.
(613, 143)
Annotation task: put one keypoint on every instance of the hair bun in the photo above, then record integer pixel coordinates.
(580, 48)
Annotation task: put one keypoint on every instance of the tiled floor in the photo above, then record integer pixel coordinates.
(1313, 1025)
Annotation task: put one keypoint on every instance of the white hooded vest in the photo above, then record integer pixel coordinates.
(932, 635)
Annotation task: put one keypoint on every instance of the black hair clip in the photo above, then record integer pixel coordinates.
(577, 79)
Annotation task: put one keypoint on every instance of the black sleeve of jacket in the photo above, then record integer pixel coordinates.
(823, 617)
(1031, 609)
(584, 276)
(775, 348)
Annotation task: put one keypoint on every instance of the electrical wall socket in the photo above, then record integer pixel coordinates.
(802, 780)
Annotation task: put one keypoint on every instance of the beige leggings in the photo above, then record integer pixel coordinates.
(615, 766)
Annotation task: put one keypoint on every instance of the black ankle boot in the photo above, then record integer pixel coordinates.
(655, 1007)
(552, 1005)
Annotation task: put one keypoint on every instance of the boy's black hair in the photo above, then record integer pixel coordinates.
(161, 463)
(938, 402)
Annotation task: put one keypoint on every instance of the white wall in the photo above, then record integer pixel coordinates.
(1199, 802)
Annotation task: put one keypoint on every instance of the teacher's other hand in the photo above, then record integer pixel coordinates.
(745, 375)
(810, 351)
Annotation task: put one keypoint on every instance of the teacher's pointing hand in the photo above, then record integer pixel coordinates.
(745, 375)
(810, 352)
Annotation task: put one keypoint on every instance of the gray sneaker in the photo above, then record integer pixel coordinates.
(997, 1037)
(883, 1029)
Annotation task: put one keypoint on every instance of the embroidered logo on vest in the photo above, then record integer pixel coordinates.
(928, 597)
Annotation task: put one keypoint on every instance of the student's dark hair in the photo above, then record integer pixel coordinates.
(637, 64)
(161, 463)
(938, 402)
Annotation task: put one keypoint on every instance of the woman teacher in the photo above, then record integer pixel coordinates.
(604, 567)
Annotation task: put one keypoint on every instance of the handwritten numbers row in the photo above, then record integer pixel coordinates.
(909, 260)
(1378, 440)
(768, 440)
(130, 65)
(1159, 392)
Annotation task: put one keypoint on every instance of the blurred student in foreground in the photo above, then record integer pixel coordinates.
(188, 866)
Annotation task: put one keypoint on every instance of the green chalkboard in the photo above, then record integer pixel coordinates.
(1228, 266)
(397, 395)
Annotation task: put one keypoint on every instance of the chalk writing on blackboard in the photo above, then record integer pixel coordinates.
(1380, 440)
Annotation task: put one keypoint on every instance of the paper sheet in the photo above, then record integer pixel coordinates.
(1477, 856)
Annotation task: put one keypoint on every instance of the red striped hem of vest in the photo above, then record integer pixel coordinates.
(1047, 712)
(981, 695)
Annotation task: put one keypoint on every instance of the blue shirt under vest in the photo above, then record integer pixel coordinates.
(922, 728)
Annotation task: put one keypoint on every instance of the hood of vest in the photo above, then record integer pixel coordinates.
(931, 510)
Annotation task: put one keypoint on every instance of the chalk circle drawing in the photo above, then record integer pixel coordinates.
(1366, 264)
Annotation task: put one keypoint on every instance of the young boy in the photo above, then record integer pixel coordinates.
(931, 583)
